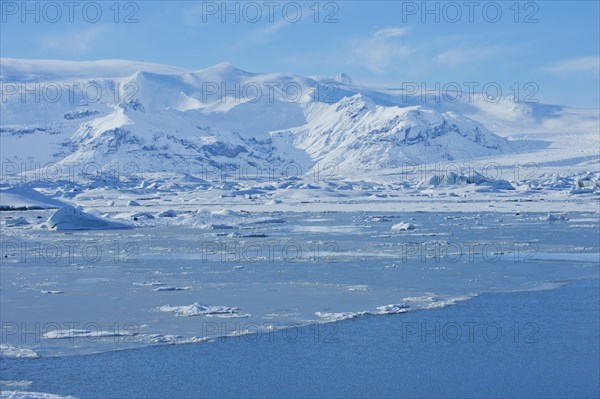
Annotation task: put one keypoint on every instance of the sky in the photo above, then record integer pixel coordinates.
(545, 51)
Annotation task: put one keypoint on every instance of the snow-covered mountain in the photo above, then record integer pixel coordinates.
(163, 118)
(357, 134)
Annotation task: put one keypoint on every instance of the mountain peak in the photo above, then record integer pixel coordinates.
(356, 102)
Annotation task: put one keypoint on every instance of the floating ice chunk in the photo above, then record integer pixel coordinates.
(230, 315)
(31, 395)
(74, 333)
(22, 383)
(403, 227)
(18, 221)
(215, 226)
(164, 338)
(332, 317)
(172, 288)
(133, 203)
(585, 190)
(553, 218)
(51, 292)
(11, 351)
(454, 179)
(447, 302)
(358, 288)
(425, 298)
(197, 309)
(69, 218)
(378, 219)
(266, 221)
(393, 308)
(273, 202)
(170, 213)
(150, 283)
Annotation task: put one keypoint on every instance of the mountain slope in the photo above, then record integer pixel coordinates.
(166, 119)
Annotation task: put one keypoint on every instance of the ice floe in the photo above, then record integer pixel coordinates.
(554, 218)
(10, 351)
(403, 227)
(169, 213)
(393, 308)
(18, 221)
(333, 316)
(197, 309)
(172, 288)
(31, 395)
(76, 333)
(149, 284)
(22, 383)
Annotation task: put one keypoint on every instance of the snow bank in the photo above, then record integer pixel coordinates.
(69, 218)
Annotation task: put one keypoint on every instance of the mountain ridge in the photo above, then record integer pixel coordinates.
(221, 115)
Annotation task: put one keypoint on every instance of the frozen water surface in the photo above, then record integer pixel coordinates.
(152, 285)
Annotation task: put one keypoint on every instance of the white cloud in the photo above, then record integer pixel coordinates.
(392, 31)
(271, 29)
(577, 65)
(382, 50)
(459, 56)
(73, 42)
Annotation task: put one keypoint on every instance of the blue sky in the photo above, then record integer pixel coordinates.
(553, 44)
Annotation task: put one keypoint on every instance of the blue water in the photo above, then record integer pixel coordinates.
(554, 352)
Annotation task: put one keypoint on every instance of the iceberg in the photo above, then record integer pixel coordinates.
(69, 218)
